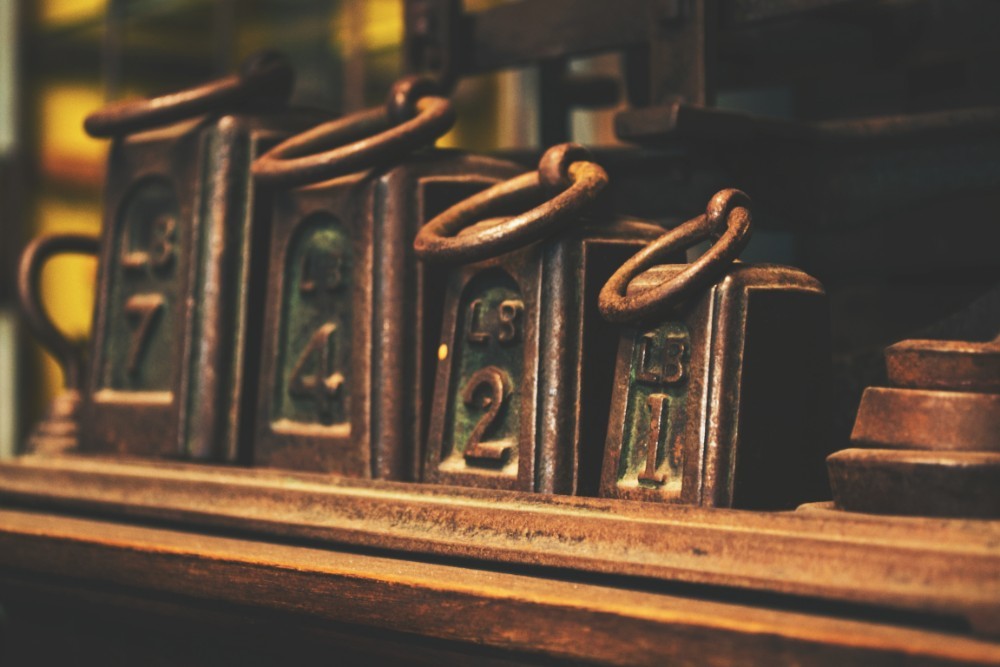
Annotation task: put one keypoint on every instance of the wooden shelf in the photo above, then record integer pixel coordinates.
(507, 612)
(809, 579)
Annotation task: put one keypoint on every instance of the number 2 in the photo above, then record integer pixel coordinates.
(497, 391)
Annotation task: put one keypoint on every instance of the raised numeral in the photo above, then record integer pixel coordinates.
(143, 311)
(657, 429)
(497, 389)
(325, 383)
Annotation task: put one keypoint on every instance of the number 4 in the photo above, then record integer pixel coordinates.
(323, 386)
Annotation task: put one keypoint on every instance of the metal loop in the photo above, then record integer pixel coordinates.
(409, 120)
(726, 219)
(555, 163)
(443, 239)
(265, 77)
(33, 259)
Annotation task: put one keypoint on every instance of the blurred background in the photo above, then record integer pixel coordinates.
(62, 59)
(894, 233)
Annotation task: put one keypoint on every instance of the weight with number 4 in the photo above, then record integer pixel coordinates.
(525, 361)
(719, 394)
(348, 340)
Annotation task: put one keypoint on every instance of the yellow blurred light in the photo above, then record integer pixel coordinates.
(383, 24)
(375, 25)
(65, 147)
(59, 12)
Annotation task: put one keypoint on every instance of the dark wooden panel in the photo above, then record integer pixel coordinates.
(939, 568)
(507, 611)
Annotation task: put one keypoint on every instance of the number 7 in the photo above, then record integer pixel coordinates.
(143, 308)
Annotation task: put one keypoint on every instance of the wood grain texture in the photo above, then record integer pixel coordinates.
(505, 611)
(944, 569)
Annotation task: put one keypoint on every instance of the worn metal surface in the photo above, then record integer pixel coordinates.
(351, 323)
(343, 386)
(265, 80)
(932, 442)
(726, 221)
(58, 430)
(412, 117)
(722, 402)
(472, 230)
(928, 419)
(69, 354)
(720, 385)
(179, 304)
(524, 363)
(798, 559)
(917, 482)
(949, 365)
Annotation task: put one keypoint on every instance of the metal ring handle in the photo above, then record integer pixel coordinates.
(33, 259)
(412, 118)
(565, 168)
(265, 77)
(727, 219)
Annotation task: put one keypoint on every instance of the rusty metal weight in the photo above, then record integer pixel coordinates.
(718, 395)
(525, 361)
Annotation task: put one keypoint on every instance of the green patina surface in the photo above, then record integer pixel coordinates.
(139, 344)
(638, 413)
(489, 290)
(315, 337)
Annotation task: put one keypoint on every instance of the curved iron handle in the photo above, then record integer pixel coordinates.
(33, 259)
(263, 77)
(726, 219)
(412, 118)
(566, 168)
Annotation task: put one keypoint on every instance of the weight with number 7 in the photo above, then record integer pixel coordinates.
(176, 308)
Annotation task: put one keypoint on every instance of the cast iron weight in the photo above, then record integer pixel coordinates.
(718, 394)
(525, 360)
(350, 328)
(175, 311)
(930, 444)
